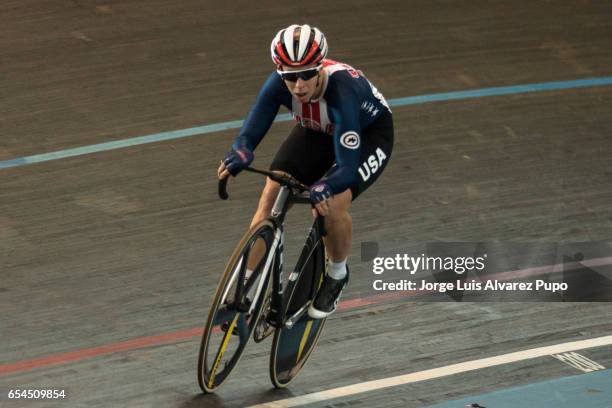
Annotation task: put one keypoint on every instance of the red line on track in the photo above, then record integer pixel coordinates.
(172, 337)
(77, 355)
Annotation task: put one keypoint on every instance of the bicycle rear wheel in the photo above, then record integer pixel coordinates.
(235, 309)
(293, 345)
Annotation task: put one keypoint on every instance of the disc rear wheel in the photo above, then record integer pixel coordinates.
(293, 345)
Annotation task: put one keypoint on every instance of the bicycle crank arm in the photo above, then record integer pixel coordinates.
(296, 316)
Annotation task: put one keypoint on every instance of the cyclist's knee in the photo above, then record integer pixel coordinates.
(339, 206)
(266, 201)
(269, 193)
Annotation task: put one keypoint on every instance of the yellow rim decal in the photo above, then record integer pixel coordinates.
(309, 323)
(303, 341)
(228, 334)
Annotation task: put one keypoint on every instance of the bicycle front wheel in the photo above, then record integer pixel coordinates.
(236, 307)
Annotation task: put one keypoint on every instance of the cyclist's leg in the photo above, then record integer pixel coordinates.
(377, 144)
(339, 226)
(266, 201)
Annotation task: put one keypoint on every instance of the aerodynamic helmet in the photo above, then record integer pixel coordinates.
(298, 45)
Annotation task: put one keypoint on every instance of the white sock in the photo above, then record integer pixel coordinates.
(247, 274)
(337, 270)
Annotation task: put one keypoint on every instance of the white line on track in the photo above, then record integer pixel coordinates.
(437, 372)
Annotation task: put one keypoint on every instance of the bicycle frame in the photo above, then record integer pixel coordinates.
(274, 261)
(280, 303)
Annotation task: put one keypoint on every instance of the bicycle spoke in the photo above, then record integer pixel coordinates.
(243, 266)
(303, 341)
(243, 329)
(230, 283)
(242, 286)
(221, 351)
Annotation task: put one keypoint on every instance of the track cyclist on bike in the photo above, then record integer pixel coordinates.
(339, 147)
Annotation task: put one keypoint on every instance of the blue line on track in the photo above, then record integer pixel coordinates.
(592, 390)
(236, 124)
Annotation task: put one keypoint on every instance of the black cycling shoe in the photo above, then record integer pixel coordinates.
(328, 296)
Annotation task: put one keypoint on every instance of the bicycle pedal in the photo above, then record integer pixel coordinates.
(225, 327)
(242, 307)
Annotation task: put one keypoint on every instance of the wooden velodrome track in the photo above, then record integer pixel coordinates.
(108, 261)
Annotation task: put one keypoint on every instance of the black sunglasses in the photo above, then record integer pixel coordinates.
(293, 76)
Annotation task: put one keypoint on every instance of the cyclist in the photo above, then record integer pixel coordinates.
(339, 147)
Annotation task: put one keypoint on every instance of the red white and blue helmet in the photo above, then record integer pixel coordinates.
(298, 45)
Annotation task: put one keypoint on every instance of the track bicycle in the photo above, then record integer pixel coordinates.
(257, 305)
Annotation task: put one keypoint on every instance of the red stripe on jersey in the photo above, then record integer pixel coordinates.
(306, 112)
(316, 115)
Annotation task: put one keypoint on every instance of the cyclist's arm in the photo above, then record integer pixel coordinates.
(272, 95)
(347, 130)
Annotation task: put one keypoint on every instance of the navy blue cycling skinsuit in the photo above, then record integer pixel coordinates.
(350, 127)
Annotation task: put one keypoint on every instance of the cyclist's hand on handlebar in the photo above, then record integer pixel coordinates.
(235, 161)
(320, 195)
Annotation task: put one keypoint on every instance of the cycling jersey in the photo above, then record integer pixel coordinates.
(348, 104)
